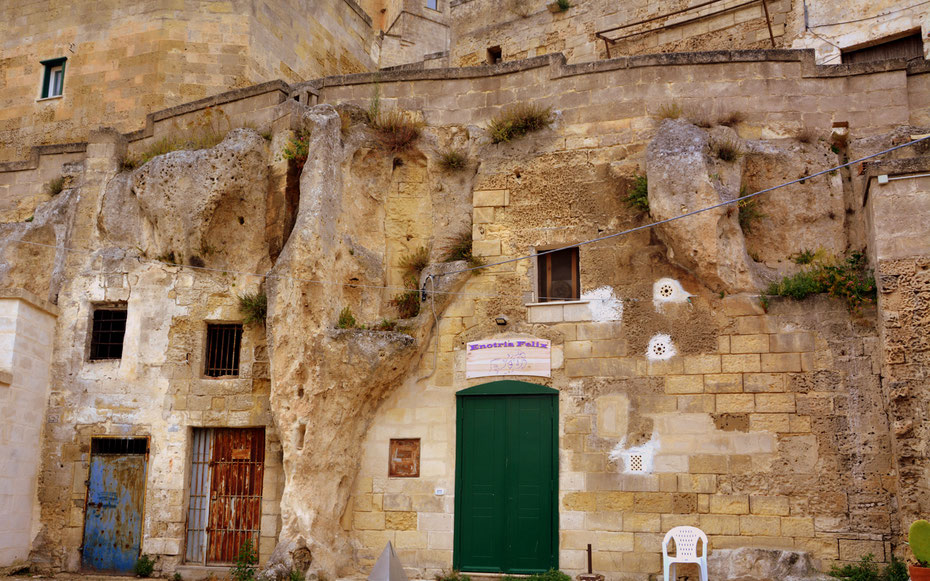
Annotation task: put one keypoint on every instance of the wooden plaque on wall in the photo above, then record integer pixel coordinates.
(404, 459)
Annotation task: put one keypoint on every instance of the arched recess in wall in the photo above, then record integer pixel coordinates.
(506, 478)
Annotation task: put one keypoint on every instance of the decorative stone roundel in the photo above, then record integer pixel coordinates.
(668, 290)
(660, 348)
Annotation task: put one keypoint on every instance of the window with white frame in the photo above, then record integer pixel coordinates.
(53, 78)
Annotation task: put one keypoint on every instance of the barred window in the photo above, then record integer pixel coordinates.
(222, 354)
(109, 328)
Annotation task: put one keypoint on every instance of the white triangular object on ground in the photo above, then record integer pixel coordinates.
(388, 567)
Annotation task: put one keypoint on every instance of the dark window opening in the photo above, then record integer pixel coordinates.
(119, 446)
(106, 338)
(495, 55)
(53, 79)
(558, 276)
(907, 47)
(223, 342)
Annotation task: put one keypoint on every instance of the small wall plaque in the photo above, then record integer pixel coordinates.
(404, 459)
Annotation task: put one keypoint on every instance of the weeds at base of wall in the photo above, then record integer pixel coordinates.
(517, 121)
(867, 570)
(207, 131)
(638, 198)
(55, 186)
(849, 280)
(254, 307)
(144, 566)
(244, 567)
(177, 577)
(452, 575)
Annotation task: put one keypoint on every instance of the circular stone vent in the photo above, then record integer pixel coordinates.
(668, 290)
(660, 347)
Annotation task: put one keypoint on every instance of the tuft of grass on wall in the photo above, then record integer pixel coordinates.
(396, 130)
(806, 135)
(55, 186)
(254, 307)
(749, 212)
(727, 150)
(451, 160)
(518, 120)
(346, 319)
(669, 111)
(731, 119)
(297, 148)
(563, 5)
(638, 198)
(460, 248)
(850, 280)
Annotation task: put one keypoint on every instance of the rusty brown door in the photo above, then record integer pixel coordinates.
(234, 473)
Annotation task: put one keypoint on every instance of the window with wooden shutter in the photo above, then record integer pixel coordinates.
(558, 276)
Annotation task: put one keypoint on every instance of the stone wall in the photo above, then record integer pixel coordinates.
(27, 329)
(129, 59)
(414, 32)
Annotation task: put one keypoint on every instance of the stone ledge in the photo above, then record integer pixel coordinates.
(26, 296)
(558, 312)
(6, 378)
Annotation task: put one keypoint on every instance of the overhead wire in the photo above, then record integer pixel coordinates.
(493, 264)
(687, 214)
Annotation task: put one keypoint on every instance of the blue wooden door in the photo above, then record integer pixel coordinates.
(113, 517)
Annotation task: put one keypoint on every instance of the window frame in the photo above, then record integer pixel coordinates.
(435, 5)
(217, 326)
(92, 334)
(50, 66)
(543, 289)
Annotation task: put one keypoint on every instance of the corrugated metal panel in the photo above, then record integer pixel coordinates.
(199, 495)
(113, 514)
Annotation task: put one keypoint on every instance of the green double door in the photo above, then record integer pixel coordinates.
(506, 478)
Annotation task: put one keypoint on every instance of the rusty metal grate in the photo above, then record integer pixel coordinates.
(106, 338)
(227, 469)
(222, 355)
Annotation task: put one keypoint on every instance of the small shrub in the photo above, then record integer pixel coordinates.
(244, 567)
(177, 577)
(396, 130)
(407, 303)
(386, 325)
(563, 5)
(731, 119)
(806, 256)
(805, 135)
(895, 570)
(167, 257)
(452, 576)
(55, 186)
(638, 198)
(453, 159)
(669, 111)
(144, 566)
(254, 307)
(30, 218)
(550, 575)
(298, 148)
(726, 149)
(864, 570)
(414, 263)
(295, 575)
(850, 280)
(346, 319)
(460, 248)
(749, 213)
(518, 120)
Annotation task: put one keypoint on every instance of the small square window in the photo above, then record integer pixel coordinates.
(222, 354)
(495, 55)
(53, 79)
(432, 4)
(109, 328)
(558, 276)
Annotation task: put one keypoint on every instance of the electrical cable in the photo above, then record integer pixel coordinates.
(687, 214)
(871, 17)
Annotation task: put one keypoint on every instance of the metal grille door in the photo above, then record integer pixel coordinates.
(219, 523)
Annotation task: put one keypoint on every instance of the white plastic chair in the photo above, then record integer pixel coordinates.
(686, 541)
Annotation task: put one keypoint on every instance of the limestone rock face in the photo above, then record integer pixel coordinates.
(681, 179)
(749, 564)
(327, 383)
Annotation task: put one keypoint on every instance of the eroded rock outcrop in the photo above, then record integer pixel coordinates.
(750, 564)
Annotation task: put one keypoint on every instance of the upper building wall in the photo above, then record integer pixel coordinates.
(125, 60)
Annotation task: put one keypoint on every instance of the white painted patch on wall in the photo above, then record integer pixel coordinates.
(637, 459)
(604, 305)
(668, 290)
(660, 348)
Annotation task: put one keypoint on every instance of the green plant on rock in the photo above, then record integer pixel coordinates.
(346, 319)
(518, 120)
(460, 248)
(144, 566)
(254, 307)
(297, 148)
(205, 131)
(638, 198)
(54, 186)
(396, 130)
(177, 577)
(550, 575)
(244, 567)
(453, 159)
(407, 303)
(726, 149)
(414, 263)
(669, 111)
(749, 212)
(806, 256)
(850, 280)
(452, 576)
(895, 570)
(563, 5)
(864, 570)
